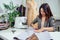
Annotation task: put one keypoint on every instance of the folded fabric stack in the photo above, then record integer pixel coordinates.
(3, 24)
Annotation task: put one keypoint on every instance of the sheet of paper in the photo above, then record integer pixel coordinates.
(3, 38)
(42, 35)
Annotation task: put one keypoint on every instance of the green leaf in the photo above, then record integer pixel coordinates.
(7, 6)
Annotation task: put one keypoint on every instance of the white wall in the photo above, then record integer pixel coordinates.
(54, 4)
(15, 2)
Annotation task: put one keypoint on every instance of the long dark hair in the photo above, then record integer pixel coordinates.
(46, 9)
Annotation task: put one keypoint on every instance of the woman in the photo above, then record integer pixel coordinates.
(45, 19)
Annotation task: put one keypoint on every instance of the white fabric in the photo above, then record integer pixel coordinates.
(9, 35)
(42, 35)
(19, 21)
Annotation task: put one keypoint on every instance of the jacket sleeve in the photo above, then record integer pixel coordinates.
(52, 22)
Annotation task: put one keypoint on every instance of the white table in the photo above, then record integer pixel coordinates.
(55, 35)
(8, 34)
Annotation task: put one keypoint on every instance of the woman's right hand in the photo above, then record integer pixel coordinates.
(35, 26)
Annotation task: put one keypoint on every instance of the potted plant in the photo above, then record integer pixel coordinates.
(12, 13)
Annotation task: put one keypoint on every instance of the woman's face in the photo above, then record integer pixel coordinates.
(42, 12)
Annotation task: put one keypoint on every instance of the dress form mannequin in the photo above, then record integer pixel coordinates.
(32, 11)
